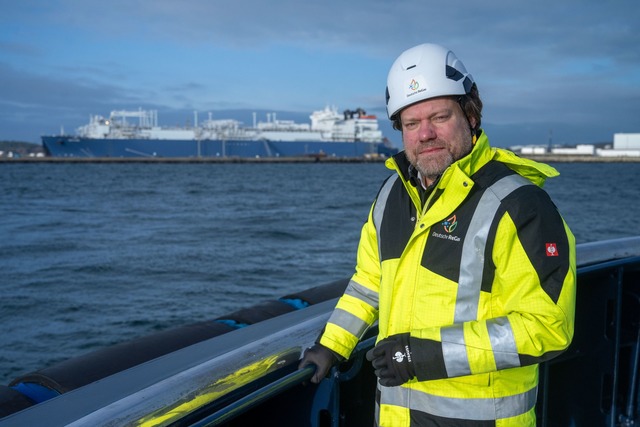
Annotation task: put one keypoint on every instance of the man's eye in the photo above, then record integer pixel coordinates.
(410, 125)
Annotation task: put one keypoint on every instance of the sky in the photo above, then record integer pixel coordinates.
(560, 71)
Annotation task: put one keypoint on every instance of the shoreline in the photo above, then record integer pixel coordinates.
(564, 158)
(310, 159)
(192, 160)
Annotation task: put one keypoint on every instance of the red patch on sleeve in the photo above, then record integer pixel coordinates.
(552, 249)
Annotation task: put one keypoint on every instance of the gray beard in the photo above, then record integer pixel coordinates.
(432, 170)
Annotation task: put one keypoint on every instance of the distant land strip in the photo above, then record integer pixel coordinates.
(547, 158)
(306, 159)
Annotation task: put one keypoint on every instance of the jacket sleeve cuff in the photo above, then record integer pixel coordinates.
(340, 351)
(428, 359)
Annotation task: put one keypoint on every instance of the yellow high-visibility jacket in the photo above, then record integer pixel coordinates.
(482, 275)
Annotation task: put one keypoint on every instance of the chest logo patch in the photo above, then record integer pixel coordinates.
(450, 224)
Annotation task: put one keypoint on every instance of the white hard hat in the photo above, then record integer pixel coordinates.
(422, 72)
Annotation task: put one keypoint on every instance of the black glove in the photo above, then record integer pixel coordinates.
(392, 360)
(320, 356)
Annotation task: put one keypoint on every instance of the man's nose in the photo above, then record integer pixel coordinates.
(427, 131)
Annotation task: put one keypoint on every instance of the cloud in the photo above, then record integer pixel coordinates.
(571, 64)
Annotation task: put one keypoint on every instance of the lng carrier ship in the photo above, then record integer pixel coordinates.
(137, 134)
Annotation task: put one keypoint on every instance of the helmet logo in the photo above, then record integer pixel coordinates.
(415, 85)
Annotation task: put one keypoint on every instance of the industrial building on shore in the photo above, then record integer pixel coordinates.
(624, 145)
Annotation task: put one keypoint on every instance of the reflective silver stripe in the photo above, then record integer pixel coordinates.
(349, 322)
(380, 204)
(362, 293)
(503, 343)
(460, 408)
(471, 266)
(454, 351)
(475, 241)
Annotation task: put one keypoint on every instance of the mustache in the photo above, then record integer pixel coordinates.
(431, 144)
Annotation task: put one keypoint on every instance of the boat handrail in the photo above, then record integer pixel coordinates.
(607, 250)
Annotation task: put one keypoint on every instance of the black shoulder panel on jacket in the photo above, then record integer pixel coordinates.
(541, 231)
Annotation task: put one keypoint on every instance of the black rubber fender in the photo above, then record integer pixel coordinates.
(85, 369)
(12, 401)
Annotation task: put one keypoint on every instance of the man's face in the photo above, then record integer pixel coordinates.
(435, 133)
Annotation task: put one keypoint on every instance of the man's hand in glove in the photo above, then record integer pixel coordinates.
(320, 356)
(392, 360)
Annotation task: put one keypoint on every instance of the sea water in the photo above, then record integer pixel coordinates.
(92, 254)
